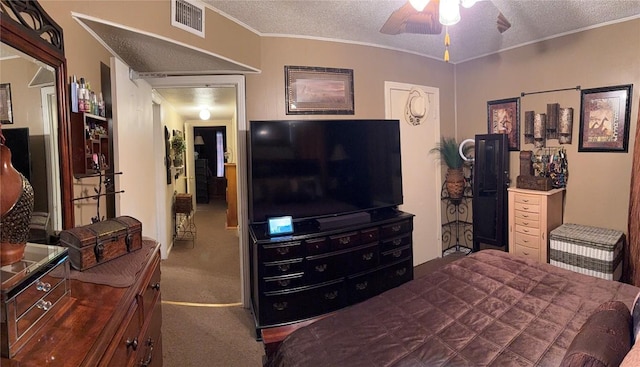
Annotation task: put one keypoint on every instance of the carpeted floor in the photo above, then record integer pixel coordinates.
(203, 323)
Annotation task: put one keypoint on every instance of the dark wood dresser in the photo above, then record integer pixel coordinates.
(101, 325)
(314, 272)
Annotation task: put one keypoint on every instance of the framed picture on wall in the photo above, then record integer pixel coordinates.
(503, 117)
(6, 114)
(319, 91)
(605, 114)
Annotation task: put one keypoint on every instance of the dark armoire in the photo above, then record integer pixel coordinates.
(490, 182)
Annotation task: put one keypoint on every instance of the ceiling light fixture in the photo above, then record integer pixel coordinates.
(204, 114)
(449, 14)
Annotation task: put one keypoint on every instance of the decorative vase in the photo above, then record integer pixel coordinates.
(455, 183)
(16, 206)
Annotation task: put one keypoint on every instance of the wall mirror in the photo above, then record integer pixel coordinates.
(34, 66)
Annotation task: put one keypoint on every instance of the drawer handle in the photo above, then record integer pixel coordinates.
(282, 250)
(321, 268)
(525, 223)
(368, 256)
(525, 207)
(280, 306)
(41, 286)
(362, 286)
(396, 228)
(525, 216)
(525, 253)
(331, 295)
(401, 272)
(525, 200)
(344, 240)
(156, 286)
(133, 344)
(397, 241)
(284, 267)
(147, 362)
(397, 253)
(525, 241)
(43, 305)
(284, 283)
(525, 230)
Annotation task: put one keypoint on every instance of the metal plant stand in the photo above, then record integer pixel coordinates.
(185, 225)
(457, 229)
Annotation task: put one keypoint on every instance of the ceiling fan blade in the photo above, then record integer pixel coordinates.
(502, 23)
(408, 20)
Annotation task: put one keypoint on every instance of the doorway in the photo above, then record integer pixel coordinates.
(236, 131)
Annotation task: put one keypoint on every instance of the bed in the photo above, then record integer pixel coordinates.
(489, 308)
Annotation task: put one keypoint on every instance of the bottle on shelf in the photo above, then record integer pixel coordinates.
(74, 94)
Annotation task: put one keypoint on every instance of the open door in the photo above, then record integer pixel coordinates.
(490, 182)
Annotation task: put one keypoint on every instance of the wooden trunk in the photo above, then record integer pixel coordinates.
(97, 243)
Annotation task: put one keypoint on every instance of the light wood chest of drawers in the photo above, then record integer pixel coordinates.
(532, 215)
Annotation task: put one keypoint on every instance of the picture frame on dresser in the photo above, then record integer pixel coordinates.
(6, 112)
(503, 117)
(605, 115)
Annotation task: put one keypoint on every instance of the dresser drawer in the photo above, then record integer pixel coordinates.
(152, 290)
(283, 267)
(284, 282)
(528, 252)
(396, 274)
(364, 258)
(343, 241)
(41, 307)
(316, 245)
(128, 345)
(38, 289)
(395, 255)
(282, 251)
(528, 230)
(527, 215)
(321, 268)
(394, 229)
(294, 305)
(529, 208)
(369, 235)
(363, 286)
(529, 223)
(396, 242)
(527, 199)
(527, 240)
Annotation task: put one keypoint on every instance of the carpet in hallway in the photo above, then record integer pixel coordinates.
(203, 323)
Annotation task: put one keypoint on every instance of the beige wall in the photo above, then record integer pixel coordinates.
(598, 187)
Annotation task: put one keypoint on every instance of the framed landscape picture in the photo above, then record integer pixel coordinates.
(503, 117)
(605, 114)
(319, 91)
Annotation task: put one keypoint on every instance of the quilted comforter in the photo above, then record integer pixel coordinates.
(487, 309)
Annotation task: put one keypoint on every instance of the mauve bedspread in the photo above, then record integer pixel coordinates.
(487, 309)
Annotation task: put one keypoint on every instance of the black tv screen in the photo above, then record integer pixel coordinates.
(317, 168)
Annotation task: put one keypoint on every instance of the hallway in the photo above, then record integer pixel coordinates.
(204, 323)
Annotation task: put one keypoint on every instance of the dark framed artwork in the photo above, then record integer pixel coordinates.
(503, 117)
(6, 113)
(318, 91)
(605, 114)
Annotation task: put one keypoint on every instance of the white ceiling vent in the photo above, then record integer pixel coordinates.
(188, 15)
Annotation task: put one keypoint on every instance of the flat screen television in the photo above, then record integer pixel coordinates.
(310, 169)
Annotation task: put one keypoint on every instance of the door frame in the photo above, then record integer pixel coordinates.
(237, 81)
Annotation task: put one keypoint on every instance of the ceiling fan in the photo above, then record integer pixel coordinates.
(408, 19)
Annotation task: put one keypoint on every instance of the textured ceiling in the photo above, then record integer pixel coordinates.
(475, 35)
(356, 21)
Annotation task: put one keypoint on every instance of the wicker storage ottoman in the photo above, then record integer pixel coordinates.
(588, 250)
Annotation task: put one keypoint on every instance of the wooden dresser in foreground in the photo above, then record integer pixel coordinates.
(102, 325)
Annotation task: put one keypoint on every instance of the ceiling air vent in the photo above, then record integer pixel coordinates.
(188, 15)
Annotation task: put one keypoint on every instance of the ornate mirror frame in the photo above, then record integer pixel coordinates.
(25, 26)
